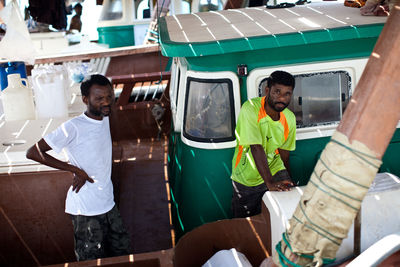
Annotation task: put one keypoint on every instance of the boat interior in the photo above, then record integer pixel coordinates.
(37, 232)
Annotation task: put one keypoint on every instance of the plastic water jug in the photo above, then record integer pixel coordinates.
(17, 99)
(11, 68)
(50, 85)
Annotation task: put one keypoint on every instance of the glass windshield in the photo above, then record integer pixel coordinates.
(209, 110)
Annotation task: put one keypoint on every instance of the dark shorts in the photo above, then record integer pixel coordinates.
(246, 200)
(100, 236)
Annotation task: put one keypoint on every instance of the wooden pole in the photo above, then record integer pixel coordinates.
(373, 113)
(370, 120)
(357, 234)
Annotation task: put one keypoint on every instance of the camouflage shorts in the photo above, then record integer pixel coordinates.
(100, 236)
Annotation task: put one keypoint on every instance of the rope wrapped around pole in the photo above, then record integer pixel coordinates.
(350, 161)
(330, 202)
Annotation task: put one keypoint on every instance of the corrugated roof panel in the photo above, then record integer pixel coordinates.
(222, 33)
(325, 21)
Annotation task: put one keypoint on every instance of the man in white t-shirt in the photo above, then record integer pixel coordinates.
(86, 139)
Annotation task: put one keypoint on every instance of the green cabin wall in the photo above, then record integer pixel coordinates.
(390, 160)
(201, 188)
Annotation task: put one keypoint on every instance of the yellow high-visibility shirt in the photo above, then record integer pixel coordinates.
(255, 127)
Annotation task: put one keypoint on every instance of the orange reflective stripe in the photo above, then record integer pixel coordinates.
(261, 112)
(285, 125)
(239, 155)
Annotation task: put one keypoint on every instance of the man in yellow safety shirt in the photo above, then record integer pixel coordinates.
(265, 133)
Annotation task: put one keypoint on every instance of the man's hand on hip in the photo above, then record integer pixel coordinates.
(79, 180)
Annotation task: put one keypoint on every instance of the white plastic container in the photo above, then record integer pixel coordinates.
(17, 99)
(51, 88)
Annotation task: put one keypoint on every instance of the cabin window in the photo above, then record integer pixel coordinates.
(209, 110)
(113, 11)
(210, 5)
(185, 7)
(319, 98)
(142, 9)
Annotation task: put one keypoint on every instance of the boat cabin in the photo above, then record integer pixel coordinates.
(219, 60)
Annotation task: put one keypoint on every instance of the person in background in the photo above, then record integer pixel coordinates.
(76, 23)
(86, 139)
(265, 133)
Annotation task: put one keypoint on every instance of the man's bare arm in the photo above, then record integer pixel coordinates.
(261, 162)
(38, 152)
(285, 158)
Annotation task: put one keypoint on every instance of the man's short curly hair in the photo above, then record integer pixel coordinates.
(281, 77)
(91, 80)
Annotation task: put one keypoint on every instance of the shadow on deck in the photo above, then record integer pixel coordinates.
(144, 194)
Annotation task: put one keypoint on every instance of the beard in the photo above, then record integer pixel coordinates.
(106, 110)
(102, 111)
(274, 105)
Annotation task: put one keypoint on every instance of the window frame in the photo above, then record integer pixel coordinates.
(176, 95)
(339, 100)
(136, 11)
(354, 67)
(209, 143)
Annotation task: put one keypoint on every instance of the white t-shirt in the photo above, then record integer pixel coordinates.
(87, 143)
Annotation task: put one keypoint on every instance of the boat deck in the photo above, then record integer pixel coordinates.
(36, 230)
(144, 199)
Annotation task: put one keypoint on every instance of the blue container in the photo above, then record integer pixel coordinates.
(11, 68)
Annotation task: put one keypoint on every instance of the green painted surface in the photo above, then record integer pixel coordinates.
(200, 184)
(307, 153)
(391, 157)
(169, 64)
(304, 158)
(116, 36)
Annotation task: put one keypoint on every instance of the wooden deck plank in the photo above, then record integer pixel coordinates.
(143, 194)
